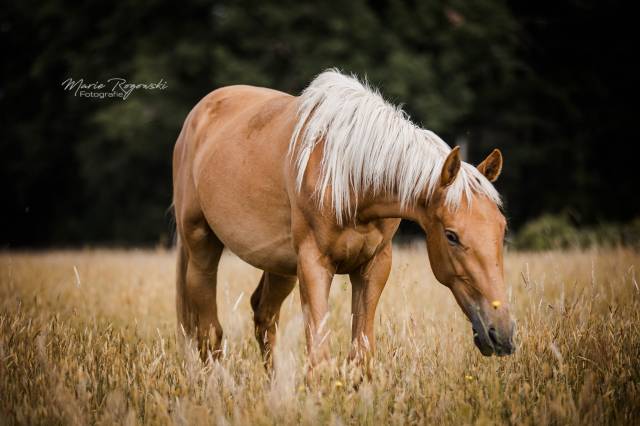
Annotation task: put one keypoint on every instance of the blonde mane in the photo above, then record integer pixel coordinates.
(371, 145)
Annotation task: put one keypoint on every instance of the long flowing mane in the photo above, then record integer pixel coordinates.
(371, 145)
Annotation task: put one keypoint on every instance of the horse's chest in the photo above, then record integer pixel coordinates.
(355, 246)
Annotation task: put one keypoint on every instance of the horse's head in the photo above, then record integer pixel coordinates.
(465, 250)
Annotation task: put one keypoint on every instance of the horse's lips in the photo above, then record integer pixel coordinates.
(486, 348)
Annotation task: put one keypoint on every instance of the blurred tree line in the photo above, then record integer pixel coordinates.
(546, 83)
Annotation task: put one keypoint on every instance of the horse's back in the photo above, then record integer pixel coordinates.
(230, 166)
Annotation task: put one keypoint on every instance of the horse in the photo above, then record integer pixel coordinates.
(306, 187)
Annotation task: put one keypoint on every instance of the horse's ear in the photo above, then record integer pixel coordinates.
(450, 168)
(492, 165)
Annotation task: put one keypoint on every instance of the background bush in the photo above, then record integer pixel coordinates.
(558, 232)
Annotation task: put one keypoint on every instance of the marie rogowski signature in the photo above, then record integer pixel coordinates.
(115, 87)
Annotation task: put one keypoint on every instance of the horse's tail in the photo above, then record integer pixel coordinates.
(170, 212)
(181, 283)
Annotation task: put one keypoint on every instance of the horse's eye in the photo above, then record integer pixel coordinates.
(452, 237)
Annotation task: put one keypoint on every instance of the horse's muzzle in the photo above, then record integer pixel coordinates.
(492, 341)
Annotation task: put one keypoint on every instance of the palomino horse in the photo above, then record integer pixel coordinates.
(311, 186)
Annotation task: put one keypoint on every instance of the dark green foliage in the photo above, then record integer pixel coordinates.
(550, 232)
(532, 82)
(547, 232)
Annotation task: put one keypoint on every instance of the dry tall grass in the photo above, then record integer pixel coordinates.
(89, 337)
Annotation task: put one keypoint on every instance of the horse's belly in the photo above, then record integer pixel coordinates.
(258, 246)
(251, 218)
(269, 254)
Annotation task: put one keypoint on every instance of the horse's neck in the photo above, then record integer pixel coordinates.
(388, 206)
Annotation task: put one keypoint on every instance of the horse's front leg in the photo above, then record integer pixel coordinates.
(315, 273)
(367, 284)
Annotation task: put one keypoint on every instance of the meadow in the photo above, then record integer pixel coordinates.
(89, 337)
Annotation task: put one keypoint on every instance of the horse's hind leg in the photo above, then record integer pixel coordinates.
(199, 253)
(266, 302)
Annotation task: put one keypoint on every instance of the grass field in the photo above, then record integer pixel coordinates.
(89, 337)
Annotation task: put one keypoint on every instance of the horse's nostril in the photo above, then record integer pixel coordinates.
(493, 335)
